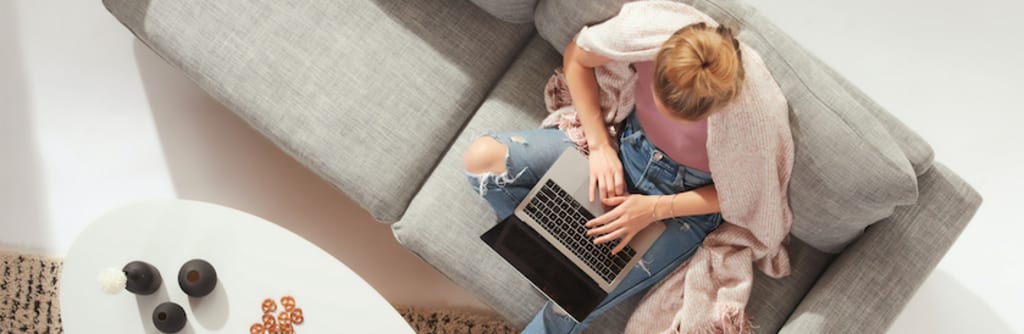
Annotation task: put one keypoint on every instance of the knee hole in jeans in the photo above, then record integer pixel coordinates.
(485, 155)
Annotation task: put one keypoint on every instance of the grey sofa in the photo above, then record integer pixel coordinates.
(381, 98)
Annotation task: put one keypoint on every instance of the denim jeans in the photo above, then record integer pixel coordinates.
(646, 171)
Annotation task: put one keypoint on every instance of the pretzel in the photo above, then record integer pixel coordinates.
(288, 302)
(268, 320)
(283, 318)
(269, 305)
(284, 322)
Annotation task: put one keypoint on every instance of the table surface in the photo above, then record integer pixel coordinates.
(254, 260)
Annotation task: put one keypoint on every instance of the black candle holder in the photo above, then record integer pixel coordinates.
(197, 278)
(169, 317)
(142, 278)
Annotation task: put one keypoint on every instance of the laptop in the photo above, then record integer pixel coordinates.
(545, 240)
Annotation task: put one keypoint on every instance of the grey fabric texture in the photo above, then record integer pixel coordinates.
(917, 151)
(515, 11)
(848, 171)
(773, 300)
(368, 94)
(446, 218)
(872, 280)
(559, 20)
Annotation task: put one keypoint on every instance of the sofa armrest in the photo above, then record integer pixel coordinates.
(871, 281)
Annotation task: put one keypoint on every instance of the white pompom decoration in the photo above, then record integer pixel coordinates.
(112, 280)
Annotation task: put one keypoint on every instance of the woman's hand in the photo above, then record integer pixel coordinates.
(606, 172)
(631, 214)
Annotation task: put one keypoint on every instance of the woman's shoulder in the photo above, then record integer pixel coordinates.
(760, 101)
(638, 30)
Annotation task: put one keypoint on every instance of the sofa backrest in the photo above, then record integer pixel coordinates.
(367, 94)
(849, 171)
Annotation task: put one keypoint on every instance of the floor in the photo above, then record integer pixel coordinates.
(91, 120)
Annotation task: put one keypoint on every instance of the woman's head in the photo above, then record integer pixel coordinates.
(697, 70)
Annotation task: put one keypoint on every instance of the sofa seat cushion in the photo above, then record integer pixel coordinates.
(368, 94)
(445, 220)
(849, 171)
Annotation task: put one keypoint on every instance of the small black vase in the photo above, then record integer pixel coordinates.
(169, 317)
(143, 278)
(197, 278)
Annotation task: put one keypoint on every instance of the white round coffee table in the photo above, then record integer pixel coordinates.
(254, 260)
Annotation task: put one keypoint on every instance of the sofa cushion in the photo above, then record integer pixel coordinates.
(848, 171)
(445, 220)
(515, 11)
(918, 152)
(368, 94)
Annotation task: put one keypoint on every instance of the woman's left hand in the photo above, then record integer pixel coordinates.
(631, 214)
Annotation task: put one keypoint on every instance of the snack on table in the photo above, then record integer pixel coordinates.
(284, 322)
(268, 320)
(297, 316)
(284, 318)
(269, 305)
(288, 302)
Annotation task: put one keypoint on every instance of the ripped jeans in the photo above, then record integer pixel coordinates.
(646, 171)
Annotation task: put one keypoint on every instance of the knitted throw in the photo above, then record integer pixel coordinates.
(750, 150)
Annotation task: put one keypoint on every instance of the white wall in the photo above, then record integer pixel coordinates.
(91, 120)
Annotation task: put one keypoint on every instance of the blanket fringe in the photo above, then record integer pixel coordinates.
(732, 321)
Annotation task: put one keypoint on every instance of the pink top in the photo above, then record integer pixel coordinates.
(684, 143)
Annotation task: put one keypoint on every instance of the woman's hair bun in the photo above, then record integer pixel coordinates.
(698, 69)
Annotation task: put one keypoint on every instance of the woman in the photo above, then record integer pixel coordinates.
(657, 172)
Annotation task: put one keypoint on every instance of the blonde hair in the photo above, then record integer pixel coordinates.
(697, 70)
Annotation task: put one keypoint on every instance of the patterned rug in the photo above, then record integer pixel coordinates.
(29, 303)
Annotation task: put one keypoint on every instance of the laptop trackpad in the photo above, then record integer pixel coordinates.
(546, 267)
(582, 195)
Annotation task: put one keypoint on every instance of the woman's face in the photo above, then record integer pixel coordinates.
(668, 112)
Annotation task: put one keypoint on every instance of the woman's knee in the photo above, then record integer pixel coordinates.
(485, 154)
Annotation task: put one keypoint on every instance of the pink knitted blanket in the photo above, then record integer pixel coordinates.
(750, 150)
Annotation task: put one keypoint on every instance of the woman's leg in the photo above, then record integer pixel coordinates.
(503, 167)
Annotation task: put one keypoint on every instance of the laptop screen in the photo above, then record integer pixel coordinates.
(549, 270)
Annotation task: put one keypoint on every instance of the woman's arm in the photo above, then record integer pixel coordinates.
(578, 66)
(700, 201)
(605, 167)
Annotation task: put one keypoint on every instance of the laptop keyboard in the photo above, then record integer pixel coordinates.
(563, 217)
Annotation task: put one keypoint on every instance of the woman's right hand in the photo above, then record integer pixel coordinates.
(606, 172)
